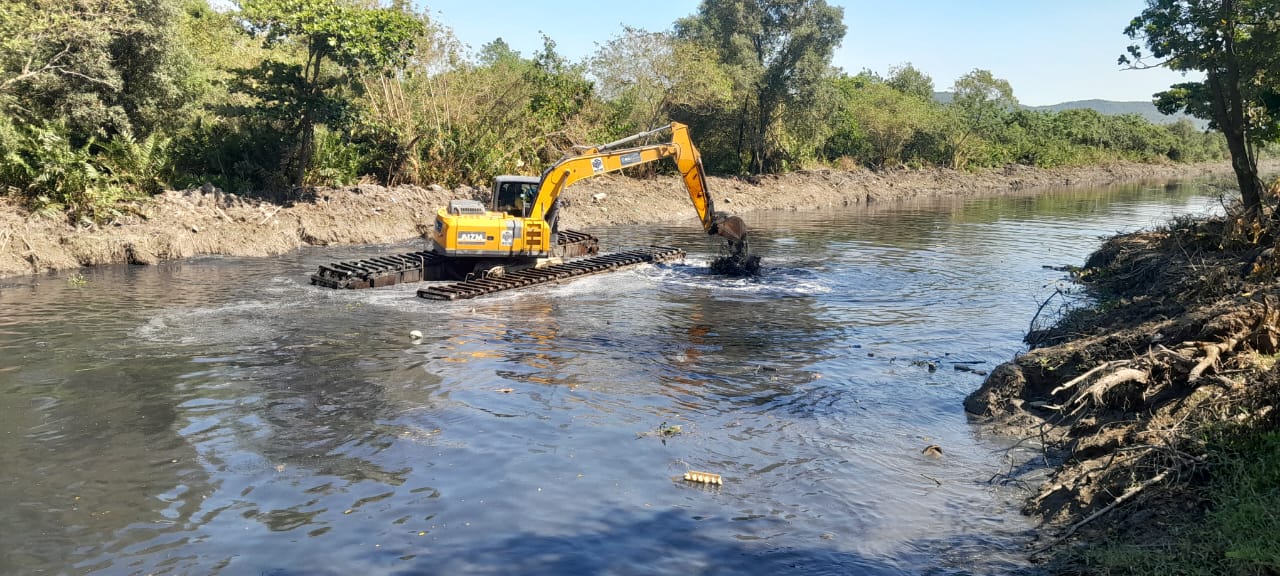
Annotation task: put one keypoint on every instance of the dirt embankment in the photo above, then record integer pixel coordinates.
(1127, 396)
(180, 224)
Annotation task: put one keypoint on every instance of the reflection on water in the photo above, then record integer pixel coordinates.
(221, 416)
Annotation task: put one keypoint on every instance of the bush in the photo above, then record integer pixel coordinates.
(50, 174)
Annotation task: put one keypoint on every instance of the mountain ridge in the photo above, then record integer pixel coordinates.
(1142, 108)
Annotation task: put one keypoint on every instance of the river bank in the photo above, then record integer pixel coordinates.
(181, 224)
(1155, 405)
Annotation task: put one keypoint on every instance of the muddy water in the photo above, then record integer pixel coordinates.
(222, 416)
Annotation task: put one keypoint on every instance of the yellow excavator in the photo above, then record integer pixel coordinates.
(516, 241)
(522, 221)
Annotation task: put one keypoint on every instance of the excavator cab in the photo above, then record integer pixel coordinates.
(513, 195)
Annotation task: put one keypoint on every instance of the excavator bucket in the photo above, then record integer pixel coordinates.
(736, 259)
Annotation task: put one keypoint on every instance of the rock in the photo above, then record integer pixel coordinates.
(598, 196)
(195, 229)
(435, 188)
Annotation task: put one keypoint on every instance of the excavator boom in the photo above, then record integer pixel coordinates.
(611, 158)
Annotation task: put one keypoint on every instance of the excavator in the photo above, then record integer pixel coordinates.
(516, 241)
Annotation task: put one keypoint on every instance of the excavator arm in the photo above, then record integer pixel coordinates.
(612, 157)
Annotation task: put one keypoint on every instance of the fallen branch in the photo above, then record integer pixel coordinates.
(1086, 375)
(270, 216)
(1128, 494)
(1105, 384)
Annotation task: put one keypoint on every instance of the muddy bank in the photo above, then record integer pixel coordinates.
(180, 224)
(1127, 396)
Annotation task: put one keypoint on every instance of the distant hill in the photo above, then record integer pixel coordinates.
(1110, 107)
(1144, 109)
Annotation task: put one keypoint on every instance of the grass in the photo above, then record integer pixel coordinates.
(1239, 535)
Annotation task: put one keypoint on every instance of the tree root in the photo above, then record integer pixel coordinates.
(1212, 352)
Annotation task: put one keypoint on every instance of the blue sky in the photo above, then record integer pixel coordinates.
(1049, 51)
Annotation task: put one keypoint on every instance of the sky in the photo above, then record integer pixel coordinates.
(1050, 52)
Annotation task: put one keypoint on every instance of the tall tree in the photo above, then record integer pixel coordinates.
(104, 67)
(908, 79)
(978, 108)
(646, 75)
(345, 34)
(1236, 44)
(778, 52)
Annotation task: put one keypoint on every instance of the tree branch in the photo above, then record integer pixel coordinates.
(1139, 65)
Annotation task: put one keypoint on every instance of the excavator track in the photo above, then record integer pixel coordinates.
(378, 272)
(550, 274)
(425, 265)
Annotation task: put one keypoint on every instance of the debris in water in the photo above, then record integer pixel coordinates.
(703, 478)
(738, 260)
(932, 450)
(736, 265)
(663, 431)
(415, 335)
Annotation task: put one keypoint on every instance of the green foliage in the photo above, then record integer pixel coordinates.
(645, 77)
(295, 91)
(911, 81)
(879, 121)
(879, 125)
(1234, 42)
(336, 162)
(54, 174)
(1239, 535)
(106, 99)
(101, 67)
(778, 54)
(142, 166)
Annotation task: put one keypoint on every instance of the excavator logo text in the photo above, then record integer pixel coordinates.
(471, 237)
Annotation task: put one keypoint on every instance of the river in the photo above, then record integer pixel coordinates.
(220, 415)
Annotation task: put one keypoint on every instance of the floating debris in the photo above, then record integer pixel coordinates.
(415, 335)
(703, 478)
(932, 450)
(663, 431)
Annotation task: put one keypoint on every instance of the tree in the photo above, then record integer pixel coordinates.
(877, 121)
(1236, 44)
(106, 67)
(907, 79)
(352, 38)
(978, 107)
(497, 51)
(646, 75)
(777, 52)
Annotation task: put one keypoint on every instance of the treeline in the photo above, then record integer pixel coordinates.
(106, 99)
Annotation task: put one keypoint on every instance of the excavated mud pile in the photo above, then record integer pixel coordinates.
(1182, 341)
(736, 265)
